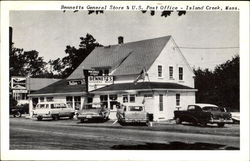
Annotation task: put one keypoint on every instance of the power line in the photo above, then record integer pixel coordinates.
(183, 47)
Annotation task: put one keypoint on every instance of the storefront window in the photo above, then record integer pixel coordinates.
(128, 98)
(77, 100)
(113, 101)
(69, 101)
(41, 99)
(132, 98)
(89, 100)
(104, 100)
(50, 99)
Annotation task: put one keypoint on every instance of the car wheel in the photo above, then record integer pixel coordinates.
(221, 124)
(71, 116)
(39, 118)
(82, 120)
(178, 120)
(55, 117)
(203, 124)
(19, 114)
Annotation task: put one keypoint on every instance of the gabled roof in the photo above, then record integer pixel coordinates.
(143, 86)
(124, 59)
(61, 87)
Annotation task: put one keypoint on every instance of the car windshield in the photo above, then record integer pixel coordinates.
(135, 108)
(210, 108)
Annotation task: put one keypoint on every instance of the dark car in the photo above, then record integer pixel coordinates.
(203, 114)
(93, 111)
(16, 111)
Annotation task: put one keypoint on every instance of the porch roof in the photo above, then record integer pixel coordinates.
(143, 86)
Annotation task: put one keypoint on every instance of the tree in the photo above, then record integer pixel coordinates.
(26, 63)
(75, 56)
(220, 86)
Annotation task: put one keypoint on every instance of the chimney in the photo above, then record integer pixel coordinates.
(120, 40)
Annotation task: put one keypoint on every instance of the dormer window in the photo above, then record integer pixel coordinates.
(160, 71)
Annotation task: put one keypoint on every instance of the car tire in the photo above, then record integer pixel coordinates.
(178, 120)
(19, 114)
(221, 124)
(82, 120)
(71, 116)
(203, 124)
(55, 117)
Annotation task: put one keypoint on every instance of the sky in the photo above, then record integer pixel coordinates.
(196, 33)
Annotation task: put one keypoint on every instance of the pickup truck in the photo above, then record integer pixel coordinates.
(203, 114)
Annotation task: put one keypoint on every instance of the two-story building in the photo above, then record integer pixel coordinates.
(153, 72)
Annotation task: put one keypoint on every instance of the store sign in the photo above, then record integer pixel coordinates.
(20, 91)
(100, 79)
(18, 83)
(94, 72)
(95, 82)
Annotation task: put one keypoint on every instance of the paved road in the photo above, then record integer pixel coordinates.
(69, 134)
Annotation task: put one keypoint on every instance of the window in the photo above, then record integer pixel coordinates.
(77, 100)
(89, 100)
(128, 98)
(132, 98)
(41, 99)
(113, 101)
(69, 101)
(171, 72)
(104, 100)
(125, 98)
(50, 99)
(180, 73)
(161, 102)
(159, 71)
(178, 99)
(106, 72)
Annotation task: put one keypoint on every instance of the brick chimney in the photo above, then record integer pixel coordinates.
(120, 40)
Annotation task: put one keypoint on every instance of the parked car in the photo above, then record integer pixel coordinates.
(236, 117)
(132, 113)
(93, 111)
(53, 110)
(203, 114)
(16, 111)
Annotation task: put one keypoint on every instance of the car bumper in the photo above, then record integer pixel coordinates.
(41, 115)
(89, 117)
(135, 121)
(221, 121)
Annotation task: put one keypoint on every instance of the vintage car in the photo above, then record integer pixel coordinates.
(16, 111)
(132, 113)
(53, 110)
(203, 114)
(93, 111)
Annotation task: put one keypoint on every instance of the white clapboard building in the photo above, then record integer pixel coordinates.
(153, 72)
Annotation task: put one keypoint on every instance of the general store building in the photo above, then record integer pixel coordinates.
(153, 72)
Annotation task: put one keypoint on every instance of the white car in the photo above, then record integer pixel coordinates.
(53, 110)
